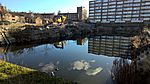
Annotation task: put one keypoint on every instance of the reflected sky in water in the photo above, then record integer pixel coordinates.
(71, 59)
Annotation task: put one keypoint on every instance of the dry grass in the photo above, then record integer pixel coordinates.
(15, 25)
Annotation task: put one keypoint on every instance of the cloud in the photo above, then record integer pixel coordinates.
(81, 65)
(93, 72)
(48, 68)
(84, 65)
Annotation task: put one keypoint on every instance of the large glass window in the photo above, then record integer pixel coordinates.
(91, 14)
(98, 20)
(92, 11)
(119, 2)
(105, 0)
(118, 12)
(98, 14)
(135, 15)
(91, 2)
(145, 7)
(111, 9)
(104, 10)
(98, 0)
(92, 8)
(97, 10)
(104, 16)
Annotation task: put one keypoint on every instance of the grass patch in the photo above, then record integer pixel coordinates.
(14, 74)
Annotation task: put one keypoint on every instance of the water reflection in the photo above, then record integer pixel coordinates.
(111, 58)
(93, 72)
(118, 46)
(60, 45)
(85, 66)
(81, 41)
(81, 65)
(135, 71)
(133, 66)
(123, 71)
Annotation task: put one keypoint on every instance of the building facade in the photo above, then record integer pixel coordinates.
(70, 16)
(80, 15)
(2, 11)
(39, 21)
(119, 11)
(30, 17)
(11, 17)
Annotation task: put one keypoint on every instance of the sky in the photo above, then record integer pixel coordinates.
(45, 6)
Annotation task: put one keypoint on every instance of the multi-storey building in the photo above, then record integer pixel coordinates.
(119, 11)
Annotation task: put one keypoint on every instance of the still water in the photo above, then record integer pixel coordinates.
(86, 61)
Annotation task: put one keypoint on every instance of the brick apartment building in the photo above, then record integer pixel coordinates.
(119, 11)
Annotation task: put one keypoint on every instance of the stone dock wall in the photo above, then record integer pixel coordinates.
(32, 33)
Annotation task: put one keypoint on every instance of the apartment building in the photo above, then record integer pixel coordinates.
(119, 11)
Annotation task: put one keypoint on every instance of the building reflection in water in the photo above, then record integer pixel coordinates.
(110, 45)
(127, 69)
(81, 41)
(60, 45)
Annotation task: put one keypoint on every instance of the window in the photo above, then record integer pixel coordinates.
(118, 12)
(105, 0)
(104, 10)
(104, 16)
(119, 2)
(97, 20)
(91, 14)
(97, 10)
(91, 8)
(91, 2)
(135, 15)
(98, 14)
(91, 11)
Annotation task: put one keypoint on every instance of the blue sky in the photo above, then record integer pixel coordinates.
(44, 5)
